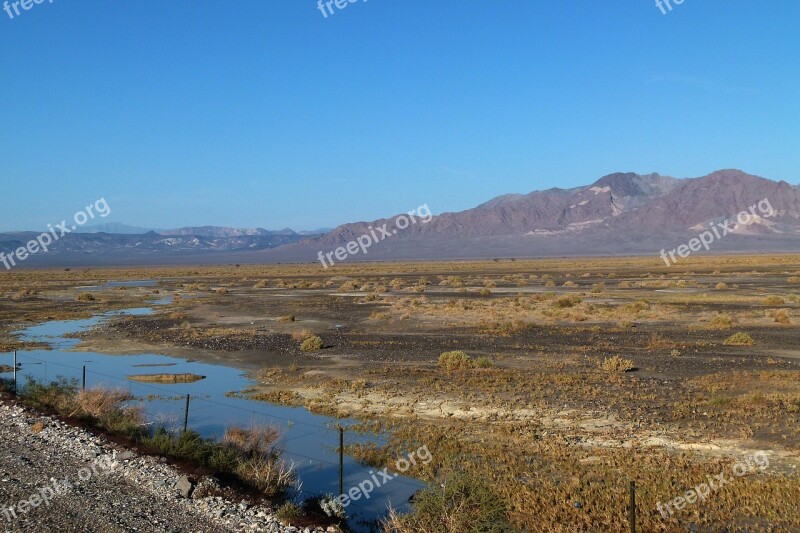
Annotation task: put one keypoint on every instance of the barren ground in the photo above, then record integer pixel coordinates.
(556, 434)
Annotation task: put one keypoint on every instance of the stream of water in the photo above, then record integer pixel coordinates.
(311, 441)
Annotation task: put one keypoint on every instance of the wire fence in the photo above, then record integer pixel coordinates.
(313, 447)
(316, 449)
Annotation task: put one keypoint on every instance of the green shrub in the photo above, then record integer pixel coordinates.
(289, 512)
(223, 459)
(312, 344)
(48, 397)
(455, 360)
(740, 339)
(188, 446)
(484, 362)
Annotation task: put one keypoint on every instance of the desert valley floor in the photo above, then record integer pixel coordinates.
(571, 377)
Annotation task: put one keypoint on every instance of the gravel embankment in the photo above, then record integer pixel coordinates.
(124, 493)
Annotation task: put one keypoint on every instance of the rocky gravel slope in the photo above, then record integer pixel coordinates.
(55, 477)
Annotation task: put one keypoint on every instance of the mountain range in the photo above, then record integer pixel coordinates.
(622, 213)
(216, 232)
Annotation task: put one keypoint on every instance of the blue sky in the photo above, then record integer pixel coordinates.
(265, 113)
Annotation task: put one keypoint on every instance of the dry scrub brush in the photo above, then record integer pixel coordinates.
(617, 364)
(460, 503)
(545, 483)
(259, 462)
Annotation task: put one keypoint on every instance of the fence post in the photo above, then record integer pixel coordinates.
(341, 460)
(186, 415)
(632, 513)
(15, 372)
(83, 385)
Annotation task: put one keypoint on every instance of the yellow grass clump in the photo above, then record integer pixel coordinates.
(617, 364)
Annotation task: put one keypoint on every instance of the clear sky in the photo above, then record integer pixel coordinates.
(265, 113)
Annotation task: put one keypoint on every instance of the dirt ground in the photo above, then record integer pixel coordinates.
(582, 373)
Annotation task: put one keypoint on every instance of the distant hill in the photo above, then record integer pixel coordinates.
(622, 213)
(131, 245)
(114, 227)
(217, 232)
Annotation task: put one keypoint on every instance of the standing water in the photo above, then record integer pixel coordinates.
(310, 441)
